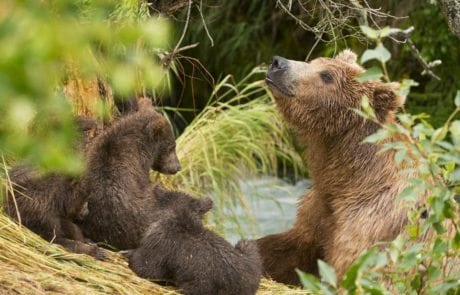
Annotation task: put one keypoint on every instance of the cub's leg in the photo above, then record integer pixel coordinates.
(81, 248)
(73, 240)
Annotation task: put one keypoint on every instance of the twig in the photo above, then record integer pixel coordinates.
(404, 36)
(166, 60)
(318, 38)
(185, 27)
(200, 9)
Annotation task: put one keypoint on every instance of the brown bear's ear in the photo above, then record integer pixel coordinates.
(347, 56)
(385, 97)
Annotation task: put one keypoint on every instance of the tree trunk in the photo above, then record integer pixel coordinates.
(451, 10)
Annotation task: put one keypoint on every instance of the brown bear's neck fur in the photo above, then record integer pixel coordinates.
(343, 164)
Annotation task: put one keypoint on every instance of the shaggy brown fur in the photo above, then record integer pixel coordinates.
(352, 204)
(118, 162)
(48, 205)
(179, 249)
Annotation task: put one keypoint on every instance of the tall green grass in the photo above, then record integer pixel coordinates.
(239, 135)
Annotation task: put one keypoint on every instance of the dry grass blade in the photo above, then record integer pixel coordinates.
(30, 265)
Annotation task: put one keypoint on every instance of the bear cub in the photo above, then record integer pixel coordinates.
(178, 249)
(118, 163)
(49, 205)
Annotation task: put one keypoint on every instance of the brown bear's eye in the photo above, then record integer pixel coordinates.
(326, 77)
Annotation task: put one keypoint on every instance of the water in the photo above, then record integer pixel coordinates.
(273, 203)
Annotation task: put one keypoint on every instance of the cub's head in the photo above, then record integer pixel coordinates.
(162, 140)
(178, 212)
(180, 202)
(317, 97)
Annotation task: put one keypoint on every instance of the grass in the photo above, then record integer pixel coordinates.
(239, 134)
(30, 265)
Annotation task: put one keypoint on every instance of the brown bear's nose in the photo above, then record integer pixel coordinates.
(279, 63)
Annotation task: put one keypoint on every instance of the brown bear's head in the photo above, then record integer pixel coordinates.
(317, 97)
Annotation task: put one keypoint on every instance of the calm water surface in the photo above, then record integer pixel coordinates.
(273, 203)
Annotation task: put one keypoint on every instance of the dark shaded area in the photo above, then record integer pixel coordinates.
(247, 34)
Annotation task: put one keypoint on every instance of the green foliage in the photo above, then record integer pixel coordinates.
(41, 42)
(435, 42)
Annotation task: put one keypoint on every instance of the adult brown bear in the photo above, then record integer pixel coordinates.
(352, 204)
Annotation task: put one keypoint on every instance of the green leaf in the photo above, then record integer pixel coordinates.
(327, 290)
(456, 241)
(440, 246)
(457, 99)
(405, 86)
(373, 73)
(400, 156)
(433, 272)
(380, 135)
(380, 53)
(416, 281)
(439, 134)
(409, 194)
(349, 281)
(369, 32)
(368, 110)
(309, 281)
(327, 273)
(455, 128)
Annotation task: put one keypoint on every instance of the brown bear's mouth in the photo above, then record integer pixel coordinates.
(282, 90)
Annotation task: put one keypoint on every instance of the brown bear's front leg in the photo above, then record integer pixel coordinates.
(282, 254)
(300, 247)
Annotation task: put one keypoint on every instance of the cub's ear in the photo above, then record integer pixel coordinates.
(347, 56)
(385, 97)
(156, 124)
(204, 205)
(145, 103)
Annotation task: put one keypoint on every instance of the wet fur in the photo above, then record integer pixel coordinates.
(178, 249)
(49, 205)
(117, 176)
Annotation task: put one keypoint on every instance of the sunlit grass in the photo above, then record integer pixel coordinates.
(239, 135)
(30, 265)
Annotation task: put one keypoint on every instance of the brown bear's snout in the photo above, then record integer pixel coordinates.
(277, 77)
(279, 63)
